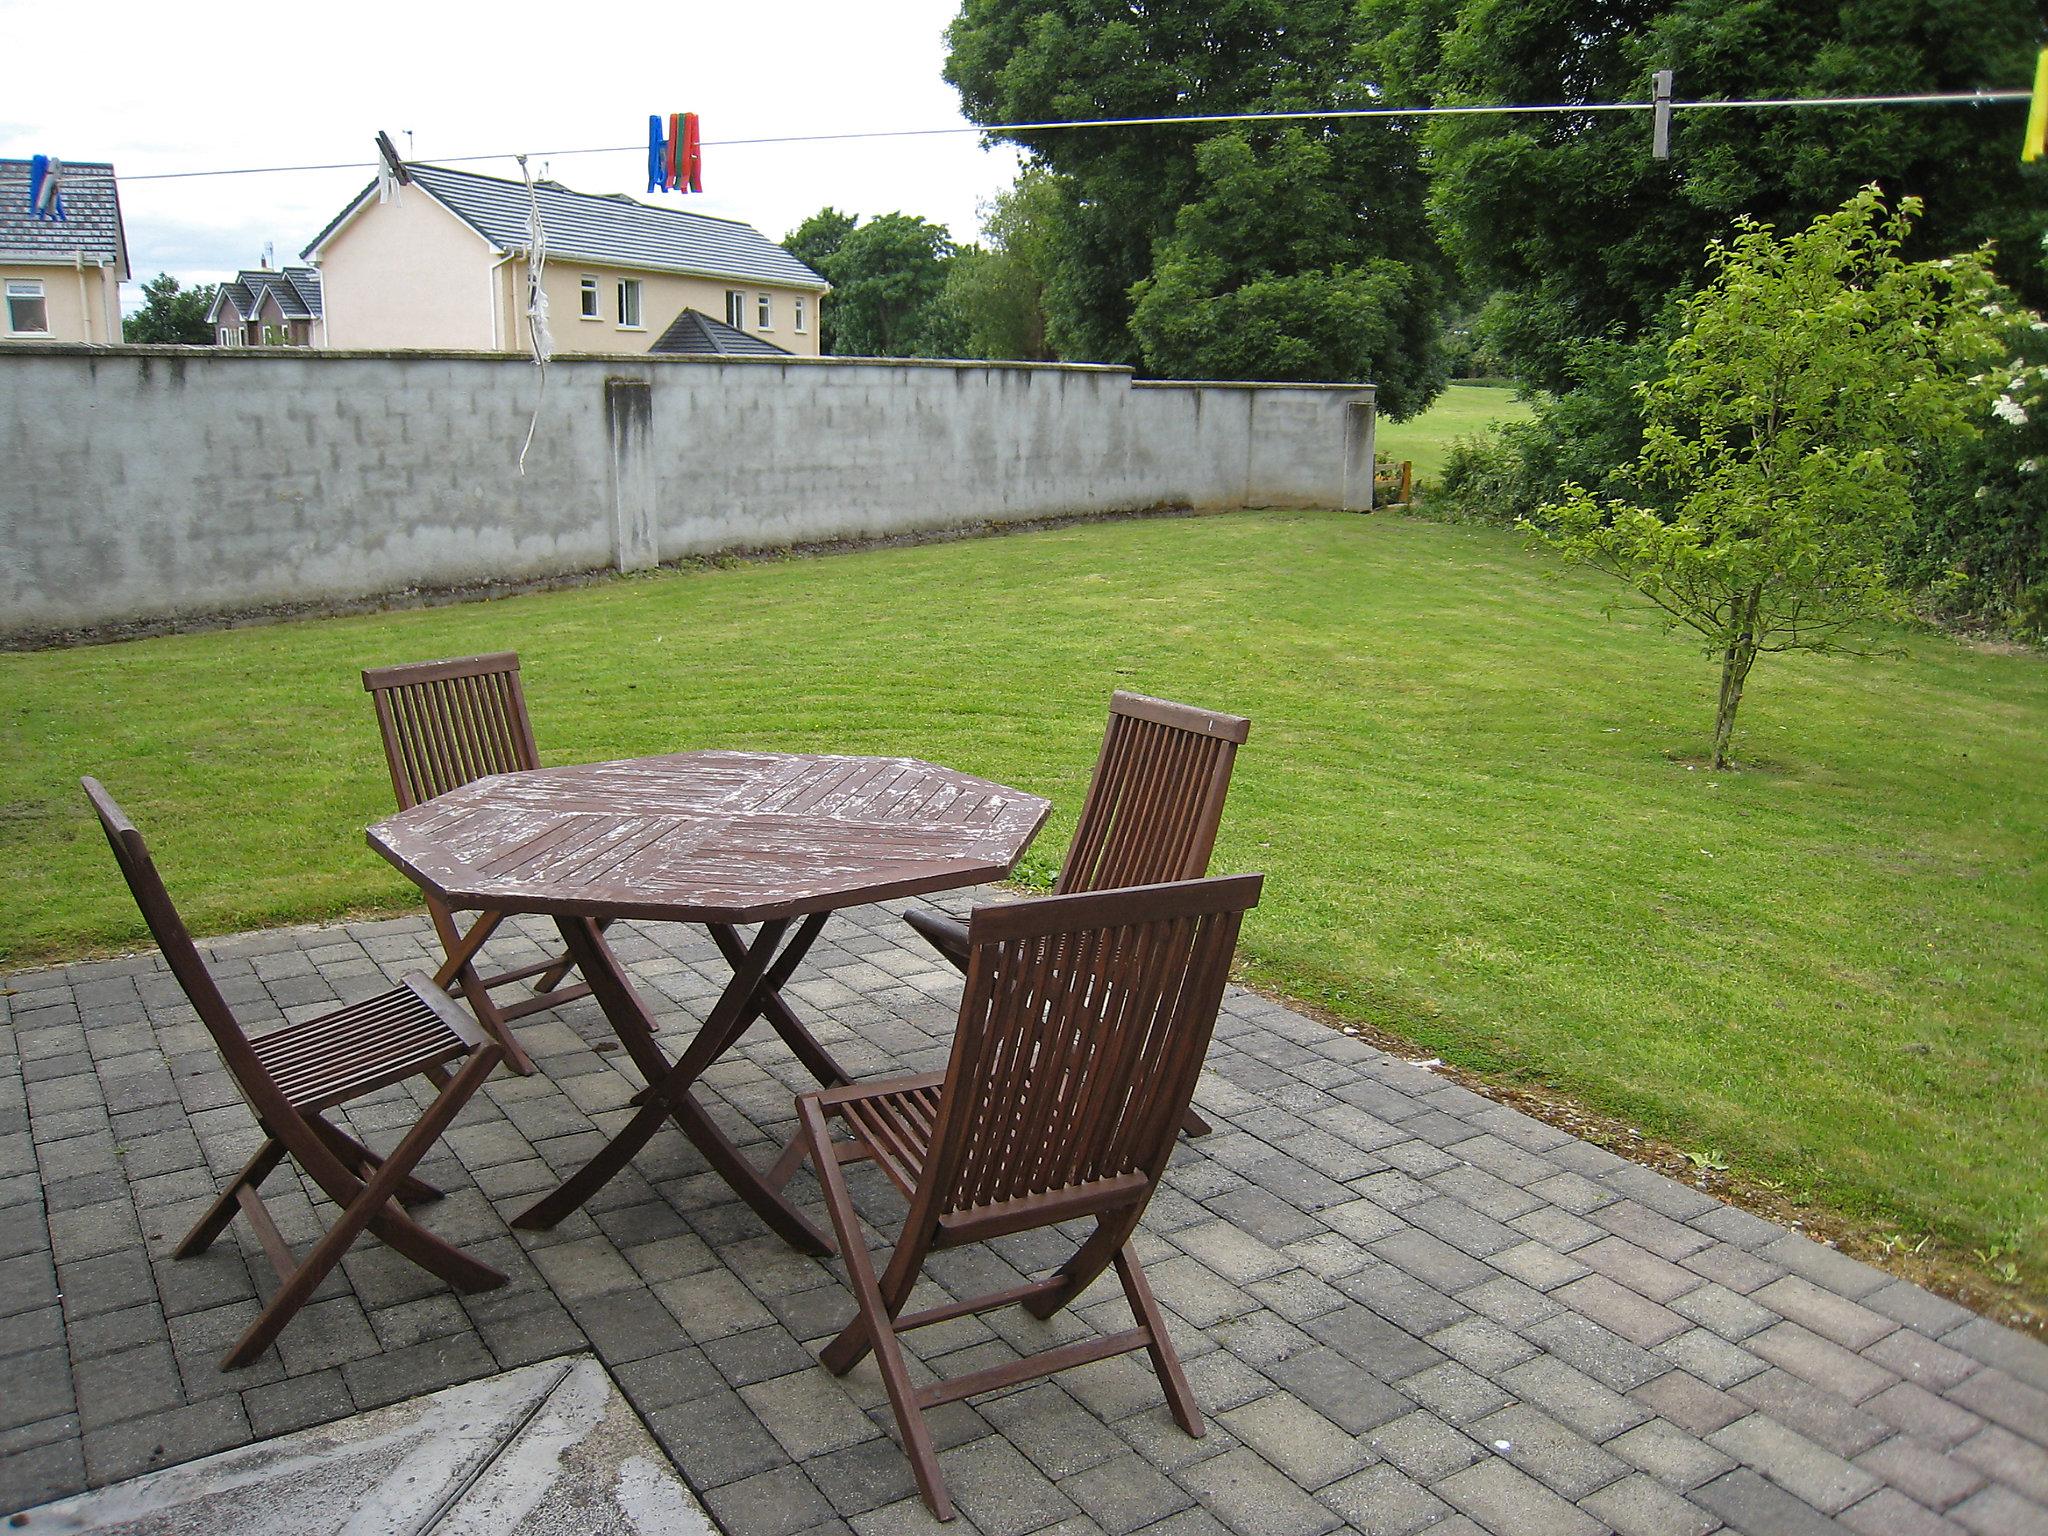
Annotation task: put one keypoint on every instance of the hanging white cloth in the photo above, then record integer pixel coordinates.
(538, 335)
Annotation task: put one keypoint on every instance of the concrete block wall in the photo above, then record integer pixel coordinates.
(149, 484)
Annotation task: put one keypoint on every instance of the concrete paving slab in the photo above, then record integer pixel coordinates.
(551, 1449)
(1353, 1253)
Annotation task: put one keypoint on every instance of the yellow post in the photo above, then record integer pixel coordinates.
(2037, 114)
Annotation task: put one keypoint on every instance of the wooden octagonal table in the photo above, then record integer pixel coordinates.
(718, 838)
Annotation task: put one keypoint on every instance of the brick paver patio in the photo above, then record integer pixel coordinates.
(1402, 1306)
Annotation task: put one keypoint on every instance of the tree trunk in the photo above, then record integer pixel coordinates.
(1736, 661)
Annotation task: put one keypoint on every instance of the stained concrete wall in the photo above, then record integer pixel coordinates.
(141, 484)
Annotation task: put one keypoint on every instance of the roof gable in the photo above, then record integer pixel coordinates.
(305, 282)
(91, 222)
(366, 199)
(233, 294)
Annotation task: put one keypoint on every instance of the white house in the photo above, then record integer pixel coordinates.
(442, 266)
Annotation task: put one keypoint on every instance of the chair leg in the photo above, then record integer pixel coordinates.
(794, 1156)
(492, 1017)
(1096, 1253)
(368, 1209)
(1165, 1359)
(411, 1190)
(1192, 1123)
(875, 1320)
(553, 976)
(228, 1202)
(459, 947)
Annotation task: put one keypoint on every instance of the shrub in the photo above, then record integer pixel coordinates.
(1486, 479)
(1976, 552)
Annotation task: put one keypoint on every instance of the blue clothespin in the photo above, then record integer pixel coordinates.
(657, 156)
(45, 188)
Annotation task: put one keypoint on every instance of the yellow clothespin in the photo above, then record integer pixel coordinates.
(2037, 114)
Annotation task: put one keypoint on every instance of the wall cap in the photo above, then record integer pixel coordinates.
(609, 359)
(619, 359)
(1356, 389)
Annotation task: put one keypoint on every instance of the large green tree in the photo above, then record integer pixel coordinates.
(886, 276)
(171, 314)
(814, 243)
(995, 296)
(1591, 237)
(1264, 278)
(1122, 236)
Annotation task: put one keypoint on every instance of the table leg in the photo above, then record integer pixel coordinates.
(801, 1042)
(667, 1094)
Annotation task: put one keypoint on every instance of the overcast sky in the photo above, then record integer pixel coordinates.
(155, 89)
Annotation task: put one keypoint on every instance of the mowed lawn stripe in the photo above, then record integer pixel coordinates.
(1478, 799)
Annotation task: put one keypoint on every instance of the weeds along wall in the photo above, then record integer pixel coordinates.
(151, 484)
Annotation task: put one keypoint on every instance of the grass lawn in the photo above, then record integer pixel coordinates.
(1475, 796)
(1462, 410)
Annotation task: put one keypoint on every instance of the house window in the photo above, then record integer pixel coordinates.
(767, 312)
(27, 313)
(231, 336)
(629, 303)
(736, 310)
(798, 301)
(590, 298)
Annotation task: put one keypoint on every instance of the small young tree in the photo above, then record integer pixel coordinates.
(1809, 376)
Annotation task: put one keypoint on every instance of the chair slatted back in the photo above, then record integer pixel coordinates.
(447, 723)
(1080, 1039)
(179, 952)
(1156, 798)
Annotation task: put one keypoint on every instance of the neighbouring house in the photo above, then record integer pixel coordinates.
(443, 266)
(60, 279)
(265, 308)
(694, 334)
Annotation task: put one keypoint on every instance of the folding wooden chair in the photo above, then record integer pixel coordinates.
(445, 724)
(1151, 813)
(1081, 1034)
(293, 1073)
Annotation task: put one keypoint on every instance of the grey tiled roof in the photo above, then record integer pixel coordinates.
(611, 229)
(92, 221)
(235, 292)
(305, 281)
(297, 290)
(697, 334)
